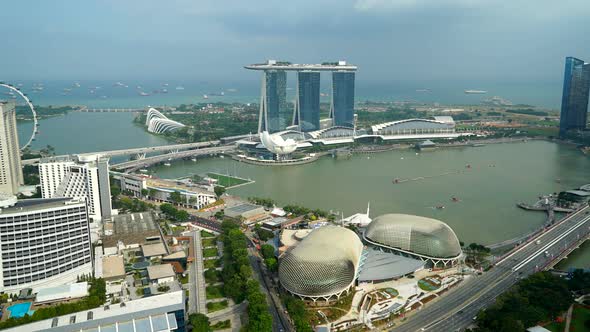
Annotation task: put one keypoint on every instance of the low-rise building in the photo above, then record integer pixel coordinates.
(113, 268)
(161, 274)
(245, 210)
(164, 313)
(129, 231)
(153, 250)
(61, 292)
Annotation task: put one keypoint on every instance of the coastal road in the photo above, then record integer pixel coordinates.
(456, 310)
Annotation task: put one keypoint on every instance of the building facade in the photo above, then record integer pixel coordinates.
(11, 174)
(574, 100)
(342, 107)
(44, 243)
(274, 114)
(84, 177)
(307, 102)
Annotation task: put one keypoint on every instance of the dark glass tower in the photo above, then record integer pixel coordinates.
(574, 101)
(343, 98)
(307, 113)
(276, 116)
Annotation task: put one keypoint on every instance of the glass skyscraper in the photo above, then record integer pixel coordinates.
(277, 115)
(307, 114)
(574, 101)
(343, 98)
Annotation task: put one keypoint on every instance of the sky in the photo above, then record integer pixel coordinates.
(390, 40)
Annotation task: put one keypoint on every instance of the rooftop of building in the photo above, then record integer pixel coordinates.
(378, 265)
(160, 271)
(242, 208)
(113, 267)
(153, 249)
(141, 310)
(582, 193)
(288, 66)
(171, 185)
(132, 228)
(48, 294)
(34, 204)
(175, 255)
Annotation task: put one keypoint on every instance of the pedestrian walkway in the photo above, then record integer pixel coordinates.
(199, 278)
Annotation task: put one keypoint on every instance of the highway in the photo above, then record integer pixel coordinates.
(136, 151)
(455, 310)
(148, 161)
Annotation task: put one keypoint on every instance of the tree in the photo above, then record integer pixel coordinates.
(271, 264)
(176, 197)
(181, 215)
(267, 251)
(219, 215)
(152, 193)
(200, 323)
(144, 192)
(219, 190)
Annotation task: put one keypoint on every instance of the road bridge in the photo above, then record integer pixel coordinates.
(140, 152)
(133, 165)
(455, 310)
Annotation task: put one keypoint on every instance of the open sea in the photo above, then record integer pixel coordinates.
(140, 94)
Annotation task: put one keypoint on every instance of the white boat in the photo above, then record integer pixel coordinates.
(143, 170)
(179, 88)
(475, 92)
(167, 164)
(205, 97)
(221, 156)
(194, 159)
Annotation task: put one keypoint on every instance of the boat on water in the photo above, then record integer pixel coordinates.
(221, 156)
(455, 199)
(143, 170)
(205, 97)
(179, 88)
(440, 207)
(167, 164)
(475, 92)
(194, 159)
(477, 144)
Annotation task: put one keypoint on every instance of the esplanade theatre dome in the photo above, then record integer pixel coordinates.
(423, 237)
(323, 265)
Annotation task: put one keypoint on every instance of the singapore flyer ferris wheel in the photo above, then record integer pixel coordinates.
(31, 107)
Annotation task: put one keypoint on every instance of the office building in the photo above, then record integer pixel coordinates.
(11, 174)
(44, 242)
(84, 176)
(342, 107)
(574, 100)
(158, 313)
(307, 102)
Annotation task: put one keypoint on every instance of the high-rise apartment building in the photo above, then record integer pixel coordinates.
(307, 102)
(85, 177)
(43, 242)
(574, 100)
(342, 107)
(11, 174)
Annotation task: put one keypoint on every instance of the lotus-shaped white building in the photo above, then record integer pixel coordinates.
(158, 123)
(276, 144)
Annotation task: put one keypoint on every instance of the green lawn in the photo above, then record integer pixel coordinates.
(224, 324)
(214, 292)
(579, 317)
(211, 263)
(210, 252)
(207, 234)
(212, 276)
(184, 280)
(226, 180)
(209, 242)
(216, 306)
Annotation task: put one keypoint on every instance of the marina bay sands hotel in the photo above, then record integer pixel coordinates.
(275, 114)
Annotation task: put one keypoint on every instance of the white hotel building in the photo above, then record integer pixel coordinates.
(43, 242)
(84, 177)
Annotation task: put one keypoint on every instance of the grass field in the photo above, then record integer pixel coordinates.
(210, 252)
(227, 181)
(206, 234)
(580, 315)
(214, 292)
(209, 242)
(216, 306)
(211, 263)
